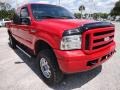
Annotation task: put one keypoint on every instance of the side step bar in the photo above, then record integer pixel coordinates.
(23, 51)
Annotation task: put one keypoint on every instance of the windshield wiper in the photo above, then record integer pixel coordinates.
(64, 17)
(47, 16)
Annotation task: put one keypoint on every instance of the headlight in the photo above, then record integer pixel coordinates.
(71, 41)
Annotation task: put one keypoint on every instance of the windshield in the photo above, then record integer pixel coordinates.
(44, 11)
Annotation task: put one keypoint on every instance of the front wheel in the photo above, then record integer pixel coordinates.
(48, 67)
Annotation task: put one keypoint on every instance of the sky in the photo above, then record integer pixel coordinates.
(91, 6)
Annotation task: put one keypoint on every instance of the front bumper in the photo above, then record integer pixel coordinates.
(78, 61)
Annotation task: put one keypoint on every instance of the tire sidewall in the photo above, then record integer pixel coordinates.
(12, 42)
(46, 80)
(56, 74)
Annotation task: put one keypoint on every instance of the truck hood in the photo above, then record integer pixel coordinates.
(64, 24)
(60, 25)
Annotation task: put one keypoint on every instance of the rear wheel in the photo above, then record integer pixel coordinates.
(12, 42)
(48, 67)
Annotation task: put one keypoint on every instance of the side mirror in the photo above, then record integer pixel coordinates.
(25, 21)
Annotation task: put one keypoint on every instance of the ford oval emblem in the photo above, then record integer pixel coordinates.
(106, 39)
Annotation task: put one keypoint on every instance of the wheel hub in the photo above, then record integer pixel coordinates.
(45, 68)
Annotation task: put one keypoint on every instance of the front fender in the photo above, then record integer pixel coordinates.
(52, 40)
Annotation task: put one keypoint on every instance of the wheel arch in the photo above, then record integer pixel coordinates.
(42, 45)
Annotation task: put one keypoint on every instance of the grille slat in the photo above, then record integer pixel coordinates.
(100, 43)
(100, 46)
(103, 36)
(102, 33)
(98, 40)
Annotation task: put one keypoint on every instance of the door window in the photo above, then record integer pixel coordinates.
(24, 16)
(24, 13)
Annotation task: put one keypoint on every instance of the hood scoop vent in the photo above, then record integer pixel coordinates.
(95, 25)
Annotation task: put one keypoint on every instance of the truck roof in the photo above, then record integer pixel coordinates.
(36, 3)
(28, 4)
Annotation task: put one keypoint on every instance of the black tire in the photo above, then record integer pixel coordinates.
(56, 75)
(12, 42)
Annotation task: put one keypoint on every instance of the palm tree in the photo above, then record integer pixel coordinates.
(82, 8)
(4, 6)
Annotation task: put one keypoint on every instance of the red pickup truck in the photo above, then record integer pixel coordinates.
(61, 43)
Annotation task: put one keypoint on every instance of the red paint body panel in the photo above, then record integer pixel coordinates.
(51, 30)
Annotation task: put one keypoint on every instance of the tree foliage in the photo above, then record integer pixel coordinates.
(6, 11)
(94, 15)
(116, 10)
(100, 15)
(77, 15)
